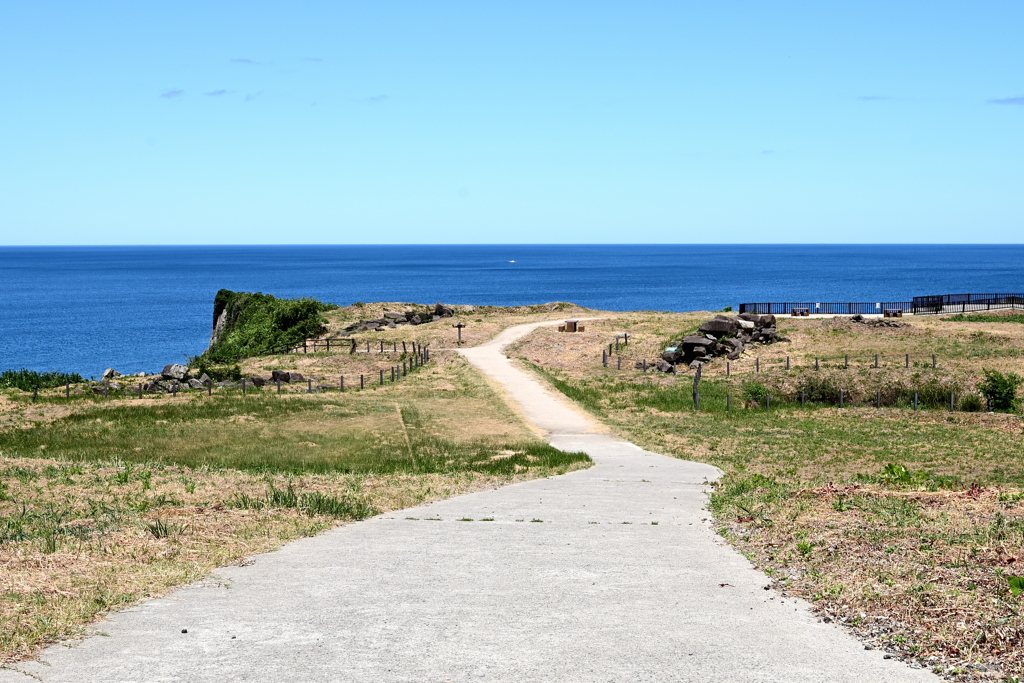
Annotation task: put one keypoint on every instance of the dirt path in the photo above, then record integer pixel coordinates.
(606, 574)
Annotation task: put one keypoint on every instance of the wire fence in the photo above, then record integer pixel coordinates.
(351, 345)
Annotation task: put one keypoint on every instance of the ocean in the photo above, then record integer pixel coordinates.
(82, 309)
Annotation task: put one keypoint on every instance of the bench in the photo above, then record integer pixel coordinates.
(892, 313)
(796, 312)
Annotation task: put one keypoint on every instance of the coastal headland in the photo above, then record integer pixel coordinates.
(870, 470)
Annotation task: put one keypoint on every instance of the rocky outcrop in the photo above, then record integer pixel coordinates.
(393, 320)
(722, 335)
(877, 322)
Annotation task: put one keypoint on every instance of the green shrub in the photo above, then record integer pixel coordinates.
(1002, 388)
(255, 324)
(755, 392)
(27, 379)
(821, 388)
(971, 403)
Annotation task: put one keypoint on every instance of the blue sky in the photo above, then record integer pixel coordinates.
(392, 122)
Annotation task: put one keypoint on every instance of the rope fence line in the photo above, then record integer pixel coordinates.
(351, 345)
(873, 361)
(416, 360)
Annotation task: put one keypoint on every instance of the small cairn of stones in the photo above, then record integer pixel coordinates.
(393, 320)
(721, 336)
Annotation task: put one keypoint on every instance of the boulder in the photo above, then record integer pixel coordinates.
(175, 371)
(664, 367)
(280, 376)
(257, 381)
(296, 377)
(415, 320)
(205, 379)
(442, 311)
(718, 327)
(108, 373)
(196, 384)
(227, 384)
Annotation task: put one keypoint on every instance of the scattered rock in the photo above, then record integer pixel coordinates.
(280, 376)
(196, 384)
(257, 381)
(108, 373)
(296, 377)
(226, 383)
(205, 379)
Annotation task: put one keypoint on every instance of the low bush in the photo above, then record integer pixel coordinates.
(971, 403)
(1001, 388)
(27, 379)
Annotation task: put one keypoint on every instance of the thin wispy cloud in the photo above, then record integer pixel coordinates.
(241, 60)
(171, 93)
(1008, 100)
(218, 93)
(873, 98)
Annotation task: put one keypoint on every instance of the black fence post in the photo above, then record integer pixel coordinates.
(309, 386)
(392, 373)
(908, 360)
(209, 388)
(915, 400)
(757, 365)
(35, 392)
(933, 361)
(604, 358)
(952, 401)
(846, 362)
(403, 347)
(343, 384)
(767, 401)
(243, 386)
(382, 377)
(645, 365)
(787, 362)
(361, 385)
(619, 367)
(696, 401)
(279, 386)
(815, 362)
(140, 390)
(67, 390)
(876, 360)
(726, 368)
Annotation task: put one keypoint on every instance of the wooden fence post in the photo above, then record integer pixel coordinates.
(140, 389)
(876, 360)
(787, 362)
(726, 368)
(382, 377)
(933, 361)
(757, 365)
(815, 362)
(67, 390)
(908, 360)
(619, 367)
(361, 385)
(309, 386)
(846, 362)
(343, 384)
(35, 392)
(243, 386)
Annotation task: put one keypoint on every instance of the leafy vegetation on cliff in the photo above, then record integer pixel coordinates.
(250, 324)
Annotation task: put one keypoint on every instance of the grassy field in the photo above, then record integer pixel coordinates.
(108, 501)
(906, 525)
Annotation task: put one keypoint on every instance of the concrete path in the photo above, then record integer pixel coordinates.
(608, 574)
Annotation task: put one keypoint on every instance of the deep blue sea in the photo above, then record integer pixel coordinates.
(81, 309)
